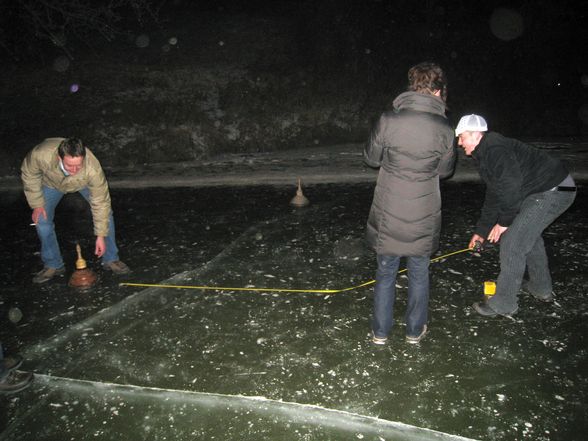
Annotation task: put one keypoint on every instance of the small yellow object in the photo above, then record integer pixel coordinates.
(80, 262)
(83, 277)
(489, 288)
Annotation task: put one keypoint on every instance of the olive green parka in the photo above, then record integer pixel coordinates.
(413, 146)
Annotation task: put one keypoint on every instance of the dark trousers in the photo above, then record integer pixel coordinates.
(521, 246)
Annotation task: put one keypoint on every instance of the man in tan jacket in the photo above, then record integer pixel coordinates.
(64, 165)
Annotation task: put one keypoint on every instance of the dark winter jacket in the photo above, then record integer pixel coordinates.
(413, 146)
(512, 170)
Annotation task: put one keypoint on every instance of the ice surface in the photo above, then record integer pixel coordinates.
(72, 407)
(181, 364)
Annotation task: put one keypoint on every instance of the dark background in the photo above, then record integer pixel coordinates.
(150, 81)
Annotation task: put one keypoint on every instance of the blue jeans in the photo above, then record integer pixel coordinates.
(385, 294)
(521, 246)
(50, 253)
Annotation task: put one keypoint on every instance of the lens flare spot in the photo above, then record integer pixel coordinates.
(506, 24)
(142, 41)
(61, 63)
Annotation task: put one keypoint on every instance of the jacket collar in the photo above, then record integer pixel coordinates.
(419, 102)
(62, 167)
(480, 148)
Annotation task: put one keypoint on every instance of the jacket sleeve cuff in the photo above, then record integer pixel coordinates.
(505, 221)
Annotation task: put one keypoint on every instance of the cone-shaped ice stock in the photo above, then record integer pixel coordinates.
(82, 277)
(299, 200)
(80, 262)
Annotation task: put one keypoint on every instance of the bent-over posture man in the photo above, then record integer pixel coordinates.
(64, 165)
(526, 190)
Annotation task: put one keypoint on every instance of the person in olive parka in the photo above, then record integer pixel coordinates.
(413, 145)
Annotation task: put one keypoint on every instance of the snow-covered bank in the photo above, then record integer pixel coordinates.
(313, 165)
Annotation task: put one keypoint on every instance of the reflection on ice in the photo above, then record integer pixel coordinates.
(182, 414)
(308, 354)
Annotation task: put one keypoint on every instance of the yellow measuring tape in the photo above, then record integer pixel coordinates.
(321, 291)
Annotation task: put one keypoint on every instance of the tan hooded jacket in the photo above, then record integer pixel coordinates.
(41, 167)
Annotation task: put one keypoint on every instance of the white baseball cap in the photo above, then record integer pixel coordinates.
(471, 123)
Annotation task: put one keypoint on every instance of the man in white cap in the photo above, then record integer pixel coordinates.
(526, 190)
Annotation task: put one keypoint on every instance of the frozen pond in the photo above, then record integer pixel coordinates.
(123, 362)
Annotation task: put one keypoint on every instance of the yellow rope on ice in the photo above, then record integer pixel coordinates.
(320, 291)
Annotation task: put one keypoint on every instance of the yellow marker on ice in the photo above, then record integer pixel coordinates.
(489, 288)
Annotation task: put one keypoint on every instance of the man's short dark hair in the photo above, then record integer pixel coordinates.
(71, 147)
(426, 78)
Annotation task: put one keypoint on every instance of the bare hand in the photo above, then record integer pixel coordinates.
(475, 238)
(37, 213)
(100, 246)
(496, 232)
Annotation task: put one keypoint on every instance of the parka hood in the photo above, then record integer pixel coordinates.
(420, 103)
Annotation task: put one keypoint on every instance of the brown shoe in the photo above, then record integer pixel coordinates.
(547, 298)
(47, 274)
(15, 382)
(8, 364)
(379, 340)
(414, 339)
(117, 267)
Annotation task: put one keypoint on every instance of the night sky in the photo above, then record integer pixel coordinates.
(522, 59)
(522, 64)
